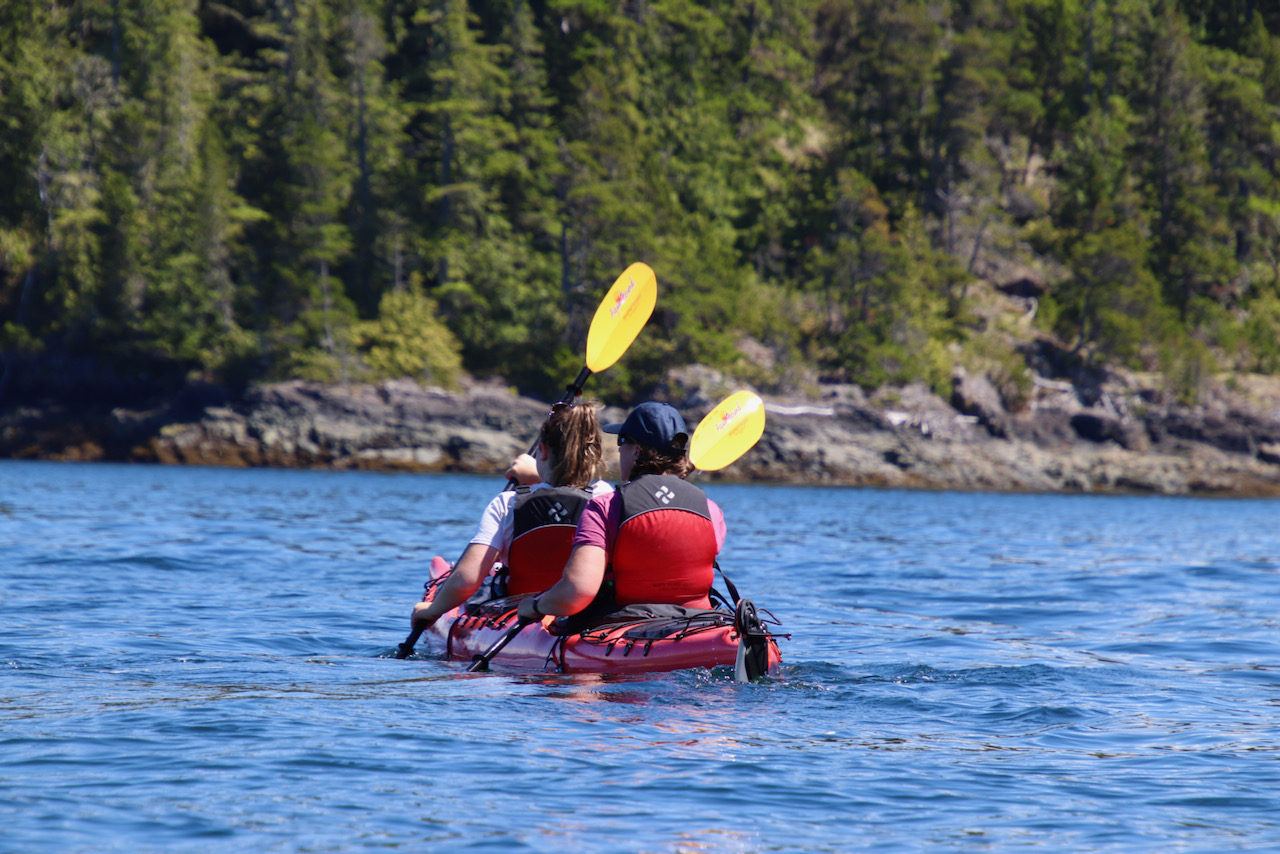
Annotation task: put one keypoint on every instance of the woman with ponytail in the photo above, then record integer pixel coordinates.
(531, 529)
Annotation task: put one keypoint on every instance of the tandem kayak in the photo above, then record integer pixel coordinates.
(639, 639)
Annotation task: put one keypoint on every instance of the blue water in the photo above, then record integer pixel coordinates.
(201, 660)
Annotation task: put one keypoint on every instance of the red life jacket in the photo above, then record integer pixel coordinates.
(544, 524)
(665, 550)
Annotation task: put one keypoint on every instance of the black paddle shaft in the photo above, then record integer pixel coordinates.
(481, 662)
(406, 647)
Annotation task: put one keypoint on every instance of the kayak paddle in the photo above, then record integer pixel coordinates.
(618, 320)
(726, 433)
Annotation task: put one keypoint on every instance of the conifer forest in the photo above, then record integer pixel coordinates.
(351, 190)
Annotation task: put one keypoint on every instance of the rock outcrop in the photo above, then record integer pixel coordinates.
(902, 437)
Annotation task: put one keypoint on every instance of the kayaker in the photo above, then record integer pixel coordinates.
(531, 529)
(654, 540)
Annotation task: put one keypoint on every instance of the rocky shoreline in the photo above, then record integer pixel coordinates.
(1124, 442)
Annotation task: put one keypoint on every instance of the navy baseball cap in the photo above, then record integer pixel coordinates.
(654, 425)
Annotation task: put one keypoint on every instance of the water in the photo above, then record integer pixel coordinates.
(201, 660)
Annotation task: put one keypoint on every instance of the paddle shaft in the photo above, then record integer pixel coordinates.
(406, 647)
(481, 662)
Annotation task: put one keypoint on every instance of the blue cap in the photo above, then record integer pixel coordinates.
(654, 425)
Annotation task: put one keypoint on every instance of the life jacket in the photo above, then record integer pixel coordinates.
(665, 551)
(544, 524)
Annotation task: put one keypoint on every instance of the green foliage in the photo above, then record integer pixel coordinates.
(996, 357)
(1186, 364)
(882, 294)
(18, 338)
(357, 189)
(1261, 340)
(1111, 305)
(409, 340)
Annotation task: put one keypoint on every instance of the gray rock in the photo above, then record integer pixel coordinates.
(976, 396)
(1101, 426)
(900, 438)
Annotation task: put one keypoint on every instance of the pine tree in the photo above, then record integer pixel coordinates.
(31, 56)
(484, 272)
(1192, 252)
(172, 248)
(375, 139)
(311, 318)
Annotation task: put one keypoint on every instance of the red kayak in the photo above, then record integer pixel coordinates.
(629, 642)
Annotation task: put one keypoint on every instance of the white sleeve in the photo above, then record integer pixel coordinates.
(601, 487)
(496, 523)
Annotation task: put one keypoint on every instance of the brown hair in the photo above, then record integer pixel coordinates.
(572, 436)
(652, 461)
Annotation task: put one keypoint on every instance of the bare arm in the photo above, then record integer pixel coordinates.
(583, 575)
(468, 574)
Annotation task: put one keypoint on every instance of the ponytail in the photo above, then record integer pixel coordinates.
(573, 439)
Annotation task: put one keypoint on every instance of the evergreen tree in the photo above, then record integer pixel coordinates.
(62, 294)
(481, 270)
(975, 163)
(32, 59)
(176, 278)
(527, 190)
(310, 317)
(1192, 252)
(237, 189)
(375, 139)
(881, 291)
(877, 69)
(606, 192)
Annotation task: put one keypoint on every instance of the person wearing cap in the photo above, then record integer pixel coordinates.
(654, 540)
(531, 529)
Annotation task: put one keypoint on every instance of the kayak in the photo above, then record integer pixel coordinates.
(641, 639)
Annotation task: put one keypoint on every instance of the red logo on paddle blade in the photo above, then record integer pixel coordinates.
(728, 417)
(621, 299)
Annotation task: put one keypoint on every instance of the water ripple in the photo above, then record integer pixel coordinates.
(200, 660)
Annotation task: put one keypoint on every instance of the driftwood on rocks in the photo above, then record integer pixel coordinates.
(902, 437)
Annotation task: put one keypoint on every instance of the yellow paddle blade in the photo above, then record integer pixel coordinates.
(728, 431)
(622, 314)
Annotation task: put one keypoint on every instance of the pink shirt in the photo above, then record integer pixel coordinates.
(599, 523)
